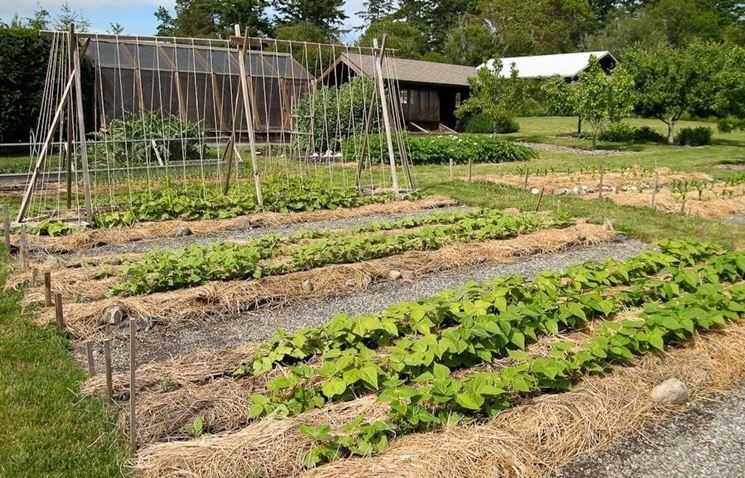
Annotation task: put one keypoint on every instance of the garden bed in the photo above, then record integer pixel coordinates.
(696, 194)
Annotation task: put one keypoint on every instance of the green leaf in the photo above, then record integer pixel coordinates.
(333, 387)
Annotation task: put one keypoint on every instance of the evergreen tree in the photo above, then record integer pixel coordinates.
(327, 15)
(375, 10)
(212, 18)
(67, 16)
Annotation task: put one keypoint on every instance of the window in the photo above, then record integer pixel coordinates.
(404, 97)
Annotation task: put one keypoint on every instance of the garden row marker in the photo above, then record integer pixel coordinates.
(249, 115)
(47, 289)
(107, 365)
(654, 190)
(89, 355)
(378, 60)
(540, 198)
(450, 161)
(132, 416)
(600, 189)
(24, 250)
(525, 181)
(59, 313)
(470, 169)
(6, 227)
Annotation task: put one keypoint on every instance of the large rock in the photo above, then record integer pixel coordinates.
(183, 231)
(394, 275)
(671, 392)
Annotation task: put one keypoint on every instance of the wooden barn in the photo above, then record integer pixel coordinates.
(428, 92)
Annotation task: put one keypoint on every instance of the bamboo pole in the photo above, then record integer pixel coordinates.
(68, 151)
(249, 117)
(386, 119)
(47, 289)
(107, 366)
(81, 131)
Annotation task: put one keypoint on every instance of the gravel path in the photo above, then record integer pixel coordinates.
(256, 326)
(253, 233)
(568, 149)
(706, 440)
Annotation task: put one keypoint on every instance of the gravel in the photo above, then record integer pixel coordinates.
(253, 233)
(568, 149)
(159, 344)
(705, 440)
(737, 219)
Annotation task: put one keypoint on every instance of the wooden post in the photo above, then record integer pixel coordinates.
(6, 227)
(525, 181)
(378, 60)
(249, 116)
(470, 169)
(132, 393)
(59, 312)
(89, 354)
(47, 289)
(24, 250)
(654, 190)
(107, 366)
(82, 144)
(450, 161)
(540, 198)
(68, 150)
(600, 190)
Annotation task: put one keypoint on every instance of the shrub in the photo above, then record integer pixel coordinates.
(623, 133)
(695, 136)
(440, 149)
(176, 140)
(645, 134)
(481, 124)
(730, 124)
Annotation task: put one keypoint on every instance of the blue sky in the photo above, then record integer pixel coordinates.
(136, 16)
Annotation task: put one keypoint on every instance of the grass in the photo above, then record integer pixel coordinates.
(48, 430)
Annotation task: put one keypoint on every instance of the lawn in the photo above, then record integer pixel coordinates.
(48, 430)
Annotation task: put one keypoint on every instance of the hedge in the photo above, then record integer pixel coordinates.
(440, 149)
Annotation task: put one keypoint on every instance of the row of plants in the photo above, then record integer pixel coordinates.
(208, 202)
(440, 149)
(478, 336)
(623, 133)
(163, 270)
(418, 350)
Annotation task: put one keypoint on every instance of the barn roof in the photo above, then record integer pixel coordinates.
(165, 56)
(567, 65)
(411, 71)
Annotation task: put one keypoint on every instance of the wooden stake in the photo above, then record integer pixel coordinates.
(68, 149)
(59, 312)
(600, 191)
(249, 116)
(654, 190)
(6, 227)
(132, 401)
(525, 181)
(470, 169)
(540, 198)
(386, 119)
(24, 250)
(107, 366)
(47, 289)
(451, 168)
(89, 353)
(82, 144)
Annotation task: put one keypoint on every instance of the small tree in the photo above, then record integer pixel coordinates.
(498, 99)
(602, 98)
(561, 99)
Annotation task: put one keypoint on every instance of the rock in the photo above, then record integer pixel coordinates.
(114, 316)
(535, 191)
(561, 191)
(620, 237)
(576, 190)
(394, 275)
(144, 325)
(407, 275)
(308, 286)
(183, 231)
(670, 392)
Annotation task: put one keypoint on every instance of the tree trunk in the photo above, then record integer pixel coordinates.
(594, 139)
(579, 126)
(670, 132)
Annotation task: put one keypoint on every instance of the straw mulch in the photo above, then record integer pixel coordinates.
(529, 440)
(545, 433)
(267, 448)
(219, 299)
(171, 374)
(151, 230)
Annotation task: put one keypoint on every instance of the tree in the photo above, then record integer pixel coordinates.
(40, 20)
(212, 18)
(665, 81)
(325, 14)
(67, 16)
(539, 26)
(374, 11)
(561, 99)
(470, 43)
(434, 18)
(302, 31)
(407, 40)
(496, 98)
(601, 99)
(116, 28)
